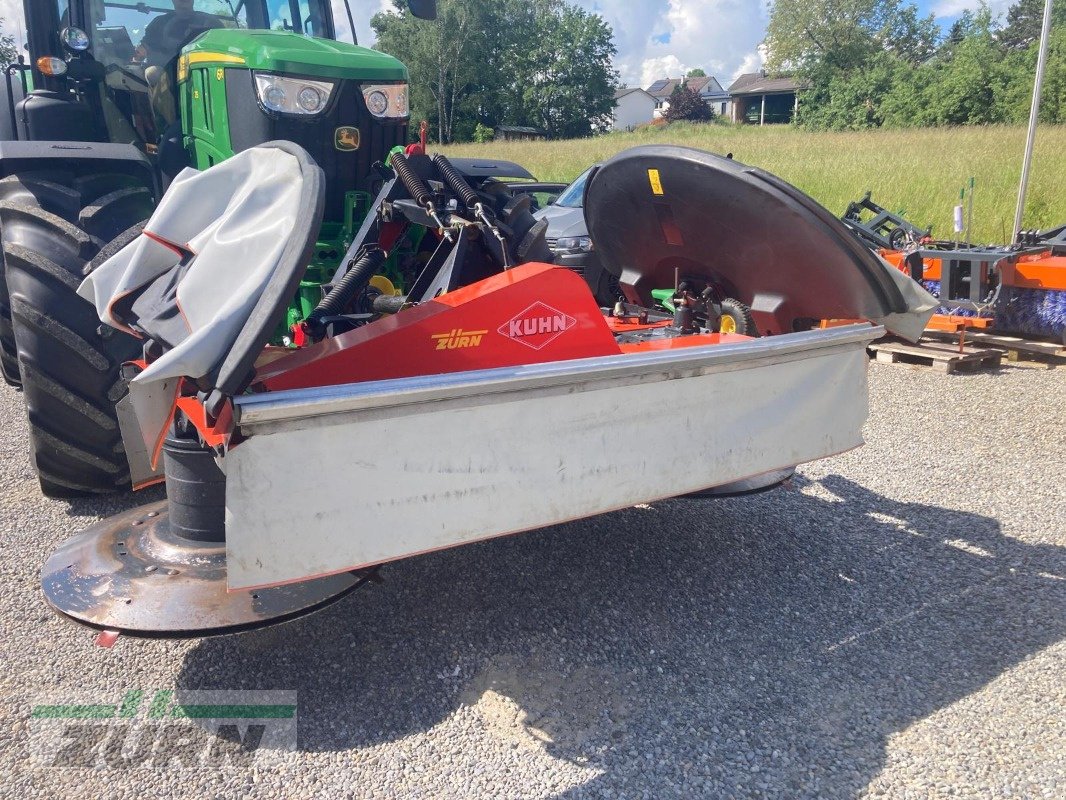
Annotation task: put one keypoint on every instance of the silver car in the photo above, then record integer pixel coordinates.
(568, 238)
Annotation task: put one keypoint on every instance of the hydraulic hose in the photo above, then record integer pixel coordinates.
(345, 290)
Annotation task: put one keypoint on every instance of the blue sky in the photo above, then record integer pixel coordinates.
(655, 38)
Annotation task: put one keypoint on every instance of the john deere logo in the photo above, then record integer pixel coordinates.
(346, 139)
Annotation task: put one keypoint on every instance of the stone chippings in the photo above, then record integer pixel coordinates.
(891, 625)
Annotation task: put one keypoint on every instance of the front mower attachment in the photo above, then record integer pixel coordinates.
(491, 395)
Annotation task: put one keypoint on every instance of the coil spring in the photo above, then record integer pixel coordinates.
(345, 290)
(411, 181)
(456, 181)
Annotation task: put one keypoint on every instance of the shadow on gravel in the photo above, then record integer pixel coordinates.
(107, 505)
(770, 643)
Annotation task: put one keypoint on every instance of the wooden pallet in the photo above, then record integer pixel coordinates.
(1014, 347)
(941, 356)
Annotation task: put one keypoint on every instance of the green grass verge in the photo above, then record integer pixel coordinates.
(918, 172)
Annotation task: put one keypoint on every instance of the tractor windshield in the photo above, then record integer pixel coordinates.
(138, 43)
(131, 33)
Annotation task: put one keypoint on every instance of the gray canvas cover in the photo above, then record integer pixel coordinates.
(210, 273)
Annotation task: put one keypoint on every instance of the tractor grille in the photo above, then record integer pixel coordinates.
(250, 125)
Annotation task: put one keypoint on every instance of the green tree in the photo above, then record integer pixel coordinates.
(441, 58)
(849, 53)
(904, 104)
(695, 72)
(964, 87)
(569, 91)
(1024, 20)
(911, 38)
(886, 65)
(849, 99)
(686, 104)
(1018, 70)
(538, 63)
(838, 34)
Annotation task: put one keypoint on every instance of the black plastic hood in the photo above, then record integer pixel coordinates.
(657, 211)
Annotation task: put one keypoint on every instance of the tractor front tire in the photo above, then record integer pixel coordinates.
(55, 228)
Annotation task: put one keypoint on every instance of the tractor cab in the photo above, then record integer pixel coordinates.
(138, 45)
(127, 53)
(192, 82)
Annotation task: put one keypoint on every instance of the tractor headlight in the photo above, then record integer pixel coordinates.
(292, 95)
(386, 100)
(573, 244)
(75, 39)
(311, 100)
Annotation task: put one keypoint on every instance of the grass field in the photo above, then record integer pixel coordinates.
(918, 172)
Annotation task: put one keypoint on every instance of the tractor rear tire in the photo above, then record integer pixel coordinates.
(55, 228)
(9, 363)
(736, 318)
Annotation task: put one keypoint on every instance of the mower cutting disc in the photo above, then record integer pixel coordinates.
(130, 573)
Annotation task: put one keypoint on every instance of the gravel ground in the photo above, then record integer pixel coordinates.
(891, 625)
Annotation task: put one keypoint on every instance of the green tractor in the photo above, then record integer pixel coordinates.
(119, 96)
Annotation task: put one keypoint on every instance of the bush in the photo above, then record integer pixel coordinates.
(686, 104)
(483, 133)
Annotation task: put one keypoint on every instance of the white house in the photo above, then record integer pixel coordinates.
(632, 107)
(707, 87)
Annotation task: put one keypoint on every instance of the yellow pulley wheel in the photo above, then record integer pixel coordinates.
(727, 325)
(384, 285)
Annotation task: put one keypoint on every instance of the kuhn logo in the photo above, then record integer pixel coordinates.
(457, 339)
(537, 326)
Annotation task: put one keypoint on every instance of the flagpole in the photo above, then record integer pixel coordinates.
(1034, 113)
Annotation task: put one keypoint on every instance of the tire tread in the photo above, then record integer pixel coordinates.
(54, 225)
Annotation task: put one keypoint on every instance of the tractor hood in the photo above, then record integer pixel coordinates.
(292, 53)
(659, 213)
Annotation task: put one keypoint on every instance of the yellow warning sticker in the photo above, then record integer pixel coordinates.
(656, 184)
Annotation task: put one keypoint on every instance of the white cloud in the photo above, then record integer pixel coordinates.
(752, 62)
(651, 69)
(361, 12)
(11, 12)
(719, 36)
(953, 8)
